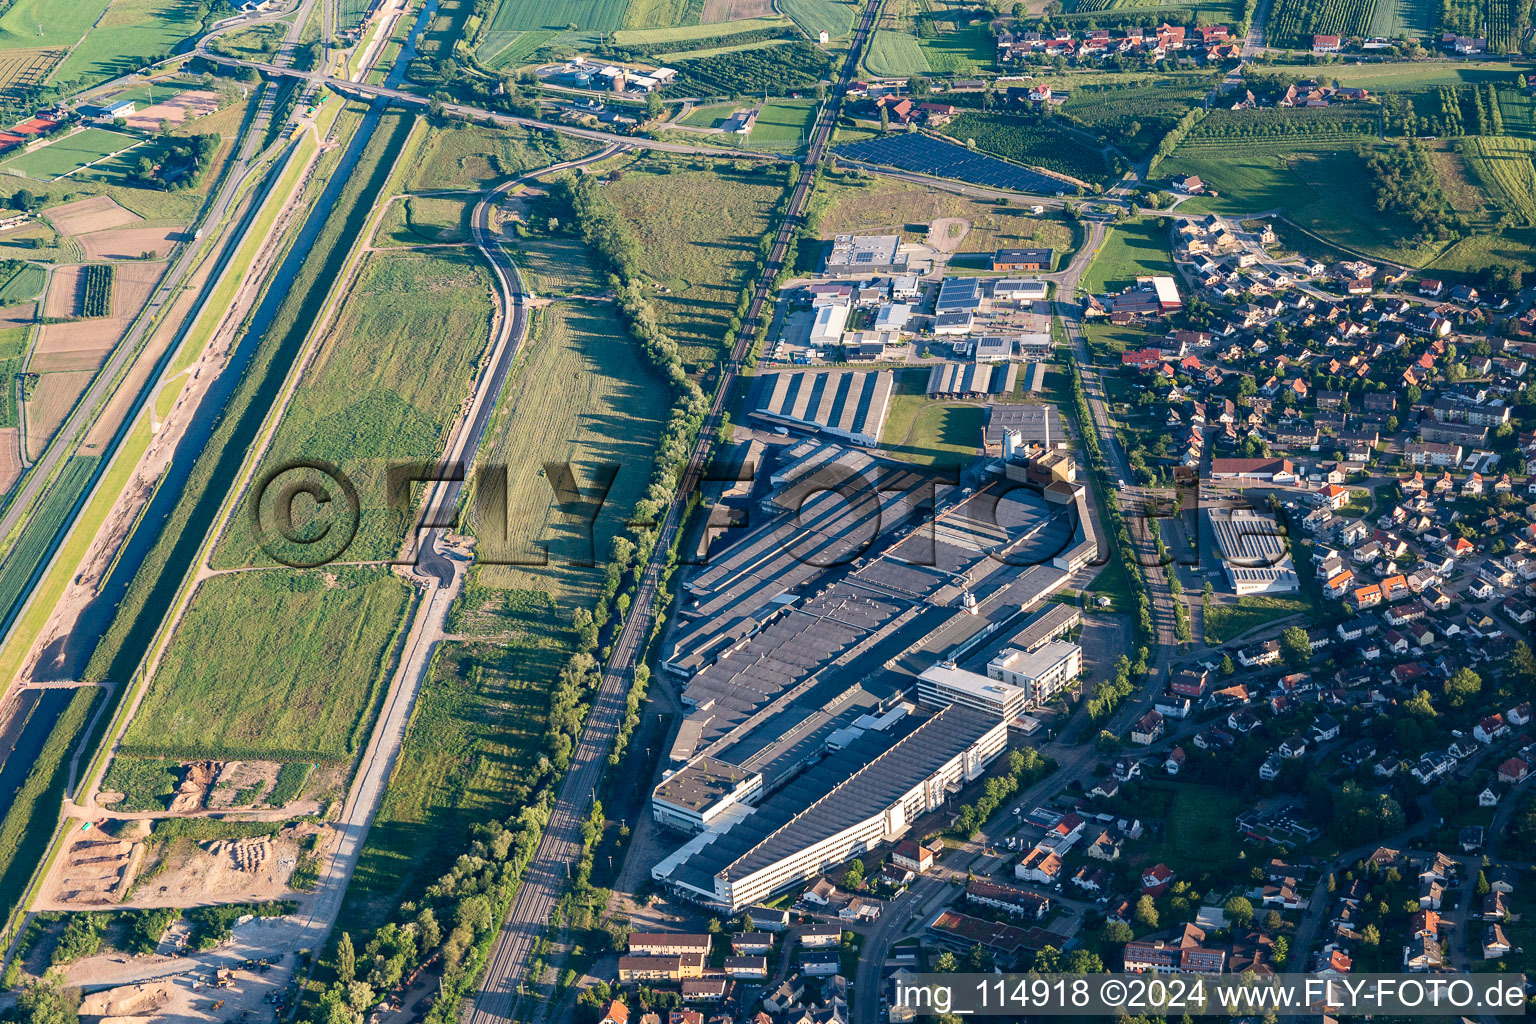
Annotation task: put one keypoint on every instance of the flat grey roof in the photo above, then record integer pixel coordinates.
(701, 783)
(841, 790)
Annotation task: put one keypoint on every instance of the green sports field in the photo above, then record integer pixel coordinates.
(70, 154)
(785, 123)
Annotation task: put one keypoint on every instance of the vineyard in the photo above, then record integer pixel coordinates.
(1294, 22)
(1135, 117)
(1502, 22)
(1449, 110)
(1506, 170)
(1037, 143)
(96, 290)
(1327, 125)
(778, 70)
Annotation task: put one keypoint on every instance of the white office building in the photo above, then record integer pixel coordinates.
(1041, 672)
(944, 684)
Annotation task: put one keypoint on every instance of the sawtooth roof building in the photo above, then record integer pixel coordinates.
(849, 404)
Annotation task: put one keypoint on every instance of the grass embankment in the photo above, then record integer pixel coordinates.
(1225, 621)
(161, 575)
(283, 665)
(34, 616)
(383, 388)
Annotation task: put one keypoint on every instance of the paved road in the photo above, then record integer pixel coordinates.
(560, 846)
(82, 418)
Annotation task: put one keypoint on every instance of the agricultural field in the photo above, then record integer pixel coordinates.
(1339, 125)
(784, 123)
(386, 386)
(67, 155)
(55, 508)
(661, 14)
(1257, 175)
(777, 70)
(48, 404)
(13, 351)
(834, 17)
(1038, 143)
(1403, 19)
(282, 666)
(1504, 166)
(1518, 111)
(35, 23)
(894, 52)
(586, 15)
(26, 68)
(1134, 114)
(919, 36)
(20, 282)
(349, 13)
(96, 290)
(684, 37)
(886, 206)
(964, 50)
(129, 35)
(475, 737)
(1133, 249)
(698, 230)
(583, 396)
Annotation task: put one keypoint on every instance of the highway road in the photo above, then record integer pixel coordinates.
(546, 877)
(83, 416)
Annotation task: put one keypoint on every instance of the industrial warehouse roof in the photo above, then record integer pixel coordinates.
(972, 378)
(843, 789)
(870, 790)
(958, 295)
(701, 783)
(849, 403)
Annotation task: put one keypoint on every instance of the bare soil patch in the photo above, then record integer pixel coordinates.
(18, 316)
(54, 396)
(76, 346)
(237, 781)
(62, 298)
(98, 213)
(183, 107)
(131, 243)
(946, 233)
(10, 456)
